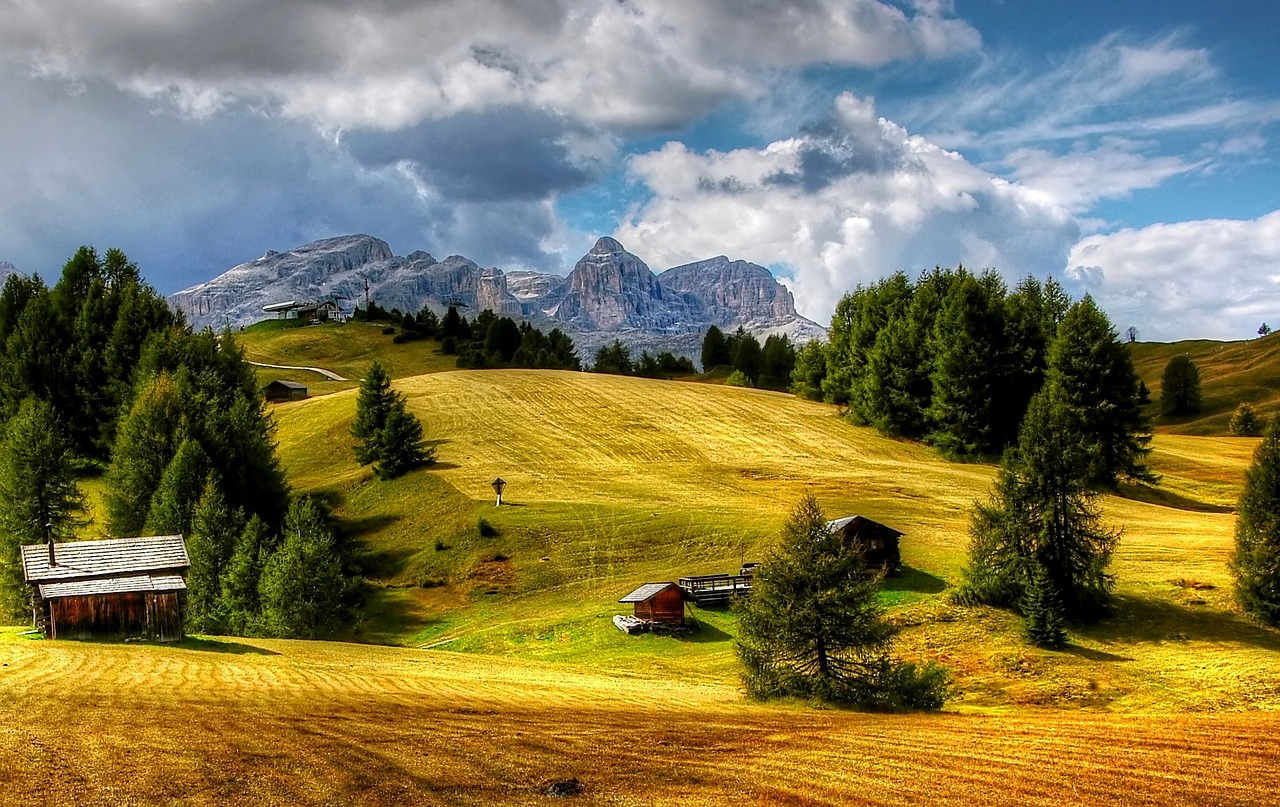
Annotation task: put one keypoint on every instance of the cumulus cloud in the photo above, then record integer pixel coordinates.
(845, 201)
(1212, 279)
(392, 63)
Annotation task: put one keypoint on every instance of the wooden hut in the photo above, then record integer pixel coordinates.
(658, 603)
(278, 391)
(877, 543)
(126, 588)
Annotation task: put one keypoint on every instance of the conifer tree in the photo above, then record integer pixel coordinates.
(372, 407)
(814, 626)
(1092, 368)
(401, 443)
(214, 529)
(39, 497)
(715, 350)
(1256, 561)
(1043, 622)
(239, 606)
(1245, 422)
(1180, 387)
(809, 371)
(181, 486)
(303, 590)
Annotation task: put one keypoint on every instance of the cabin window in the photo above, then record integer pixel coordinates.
(874, 543)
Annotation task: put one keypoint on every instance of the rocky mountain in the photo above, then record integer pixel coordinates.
(610, 293)
(7, 269)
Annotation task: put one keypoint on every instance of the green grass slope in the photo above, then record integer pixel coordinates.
(1230, 373)
(617, 481)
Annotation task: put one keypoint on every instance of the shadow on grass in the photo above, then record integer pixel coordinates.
(1092, 655)
(915, 580)
(223, 646)
(704, 633)
(1165, 498)
(1145, 619)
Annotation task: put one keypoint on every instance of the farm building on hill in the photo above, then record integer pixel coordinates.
(877, 543)
(304, 311)
(278, 391)
(658, 603)
(127, 588)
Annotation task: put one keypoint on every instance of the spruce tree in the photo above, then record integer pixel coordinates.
(814, 626)
(748, 357)
(215, 526)
(303, 590)
(715, 350)
(1180, 387)
(181, 486)
(38, 493)
(1092, 368)
(146, 441)
(809, 371)
(1256, 561)
(401, 443)
(1043, 622)
(1245, 422)
(239, 606)
(373, 404)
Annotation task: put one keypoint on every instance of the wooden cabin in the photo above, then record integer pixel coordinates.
(877, 542)
(304, 310)
(658, 603)
(278, 391)
(123, 588)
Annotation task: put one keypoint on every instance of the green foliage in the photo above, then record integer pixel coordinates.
(239, 607)
(737, 379)
(373, 404)
(483, 528)
(715, 350)
(1043, 519)
(778, 359)
(38, 493)
(1256, 561)
(387, 433)
(215, 526)
(814, 626)
(1093, 370)
(613, 358)
(145, 445)
(1180, 387)
(304, 591)
(181, 486)
(748, 358)
(1043, 621)
(1245, 422)
(809, 371)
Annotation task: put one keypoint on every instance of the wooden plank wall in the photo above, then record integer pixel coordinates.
(131, 615)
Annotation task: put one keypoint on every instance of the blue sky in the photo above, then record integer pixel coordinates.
(1129, 149)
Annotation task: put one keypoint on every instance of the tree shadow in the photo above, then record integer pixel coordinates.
(1091, 654)
(1166, 498)
(915, 580)
(703, 633)
(1144, 619)
(222, 646)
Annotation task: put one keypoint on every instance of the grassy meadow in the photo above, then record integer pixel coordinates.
(505, 672)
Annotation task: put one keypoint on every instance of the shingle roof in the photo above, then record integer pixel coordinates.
(645, 592)
(113, 585)
(113, 557)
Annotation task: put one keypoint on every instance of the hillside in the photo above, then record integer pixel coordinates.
(1230, 372)
(616, 481)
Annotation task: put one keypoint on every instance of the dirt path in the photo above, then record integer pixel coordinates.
(329, 374)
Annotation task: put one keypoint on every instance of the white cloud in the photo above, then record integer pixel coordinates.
(1212, 279)
(846, 201)
(1080, 178)
(385, 64)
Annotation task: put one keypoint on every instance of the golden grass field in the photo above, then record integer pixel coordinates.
(250, 722)
(614, 482)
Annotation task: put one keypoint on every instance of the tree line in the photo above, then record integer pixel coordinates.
(769, 366)
(99, 375)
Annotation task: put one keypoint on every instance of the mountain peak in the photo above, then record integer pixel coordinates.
(607, 246)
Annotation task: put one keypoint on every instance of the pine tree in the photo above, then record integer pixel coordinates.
(303, 590)
(748, 358)
(401, 442)
(1245, 422)
(1180, 387)
(778, 359)
(145, 444)
(181, 486)
(814, 626)
(1256, 561)
(1093, 370)
(214, 529)
(1043, 623)
(38, 493)
(239, 606)
(715, 350)
(372, 407)
(1043, 518)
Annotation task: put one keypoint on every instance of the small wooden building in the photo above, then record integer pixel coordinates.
(124, 588)
(278, 391)
(660, 603)
(877, 542)
(304, 310)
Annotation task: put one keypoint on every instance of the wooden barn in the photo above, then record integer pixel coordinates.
(278, 391)
(877, 543)
(658, 603)
(124, 588)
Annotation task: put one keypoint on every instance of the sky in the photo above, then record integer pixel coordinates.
(1131, 149)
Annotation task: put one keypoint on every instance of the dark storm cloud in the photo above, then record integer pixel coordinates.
(506, 154)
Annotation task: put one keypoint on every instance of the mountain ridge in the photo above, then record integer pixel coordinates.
(610, 293)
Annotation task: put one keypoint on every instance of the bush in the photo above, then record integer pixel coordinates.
(387, 331)
(486, 529)
(441, 545)
(737, 379)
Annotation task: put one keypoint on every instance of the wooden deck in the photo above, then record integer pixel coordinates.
(715, 589)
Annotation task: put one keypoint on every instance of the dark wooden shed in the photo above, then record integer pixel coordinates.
(125, 588)
(877, 542)
(278, 391)
(661, 603)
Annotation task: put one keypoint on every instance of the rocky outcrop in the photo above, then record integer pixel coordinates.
(610, 293)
